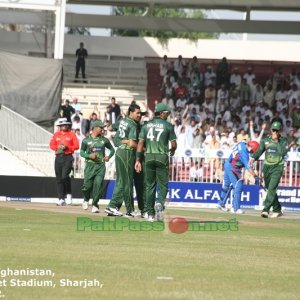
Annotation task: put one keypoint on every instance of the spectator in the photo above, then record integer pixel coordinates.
(292, 106)
(167, 88)
(235, 78)
(249, 76)
(197, 137)
(181, 89)
(210, 93)
(196, 172)
(194, 67)
(244, 92)
(209, 77)
(76, 105)
(195, 104)
(225, 141)
(291, 137)
(76, 155)
(114, 111)
(222, 73)
(277, 118)
(242, 136)
(293, 93)
(93, 118)
(76, 120)
(235, 100)
(296, 118)
(67, 111)
(179, 66)
(269, 97)
(258, 94)
(169, 102)
(281, 94)
(222, 99)
(181, 101)
(164, 66)
(278, 79)
(287, 128)
(255, 135)
(292, 77)
(81, 54)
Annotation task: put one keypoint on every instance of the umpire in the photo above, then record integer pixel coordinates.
(64, 142)
(275, 147)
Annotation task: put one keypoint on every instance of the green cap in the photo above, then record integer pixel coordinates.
(98, 124)
(276, 125)
(160, 107)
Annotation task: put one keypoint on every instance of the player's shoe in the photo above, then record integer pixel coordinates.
(276, 214)
(159, 212)
(95, 210)
(264, 214)
(238, 211)
(85, 205)
(150, 218)
(113, 212)
(145, 215)
(69, 199)
(61, 202)
(129, 215)
(222, 207)
(137, 214)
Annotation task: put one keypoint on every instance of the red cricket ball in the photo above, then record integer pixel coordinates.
(178, 225)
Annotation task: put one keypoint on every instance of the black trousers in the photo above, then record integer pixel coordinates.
(80, 64)
(63, 167)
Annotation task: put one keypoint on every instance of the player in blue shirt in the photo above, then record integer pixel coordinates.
(238, 159)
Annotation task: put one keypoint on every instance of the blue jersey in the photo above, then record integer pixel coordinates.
(239, 158)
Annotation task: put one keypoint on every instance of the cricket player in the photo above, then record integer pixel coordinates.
(155, 136)
(93, 150)
(125, 155)
(275, 147)
(238, 159)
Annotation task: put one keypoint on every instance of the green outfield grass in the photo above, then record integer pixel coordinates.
(259, 261)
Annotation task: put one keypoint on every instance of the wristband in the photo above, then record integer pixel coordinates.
(139, 154)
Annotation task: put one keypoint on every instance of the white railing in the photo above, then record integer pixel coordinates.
(211, 169)
(26, 140)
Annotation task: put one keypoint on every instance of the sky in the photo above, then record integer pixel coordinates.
(219, 14)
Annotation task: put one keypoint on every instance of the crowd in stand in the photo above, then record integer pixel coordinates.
(218, 107)
(213, 107)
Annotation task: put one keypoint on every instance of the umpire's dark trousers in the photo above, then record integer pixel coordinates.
(63, 166)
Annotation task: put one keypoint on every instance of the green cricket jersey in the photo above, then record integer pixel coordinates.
(95, 145)
(157, 133)
(274, 151)
(116, 139)
(127, 130)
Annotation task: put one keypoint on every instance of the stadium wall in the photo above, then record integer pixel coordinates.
(34, 44)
